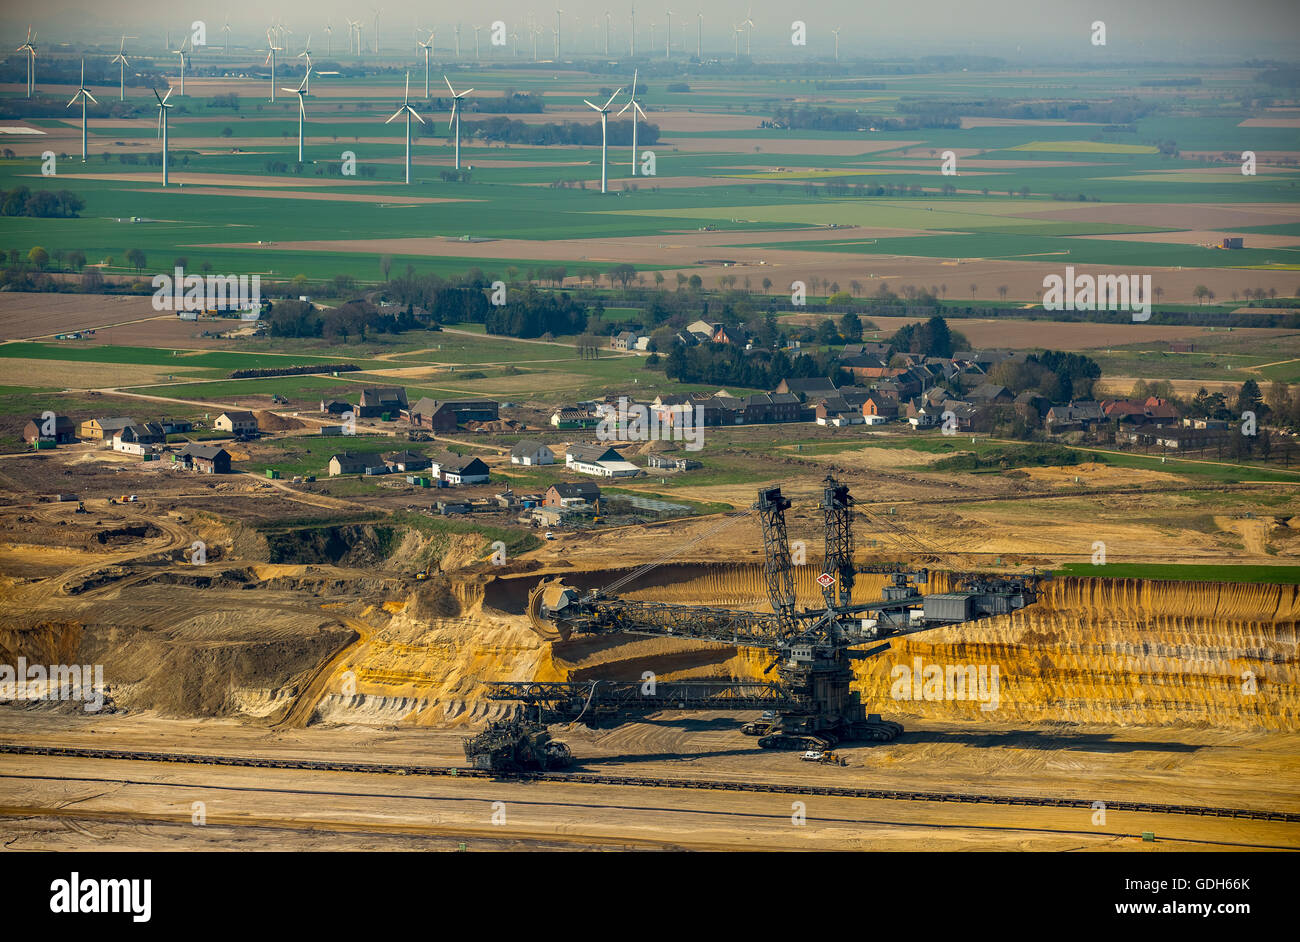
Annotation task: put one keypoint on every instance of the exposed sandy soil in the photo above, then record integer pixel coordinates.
(1272, 121)
(978, 122)
(221, 179)
(66, 375)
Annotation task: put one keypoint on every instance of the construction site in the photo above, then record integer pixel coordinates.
(813, 649)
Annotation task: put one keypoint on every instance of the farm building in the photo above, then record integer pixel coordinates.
(447, 414)
(404, 461)
(599, 461)
(570, 418)
(335, 406)
(376, 402)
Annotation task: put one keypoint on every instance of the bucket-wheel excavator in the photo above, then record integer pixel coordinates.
(810, 705)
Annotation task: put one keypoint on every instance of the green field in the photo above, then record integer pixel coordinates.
(1280, 575)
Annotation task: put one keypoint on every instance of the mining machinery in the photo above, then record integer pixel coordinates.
(810, 704)
(516, 745)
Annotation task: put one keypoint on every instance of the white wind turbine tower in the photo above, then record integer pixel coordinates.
(558, 11)
(352, 30)
(29, 46)
(456, 31)
(376, 31)
(162, 127)
(270, 59)
(455, 114)
(652, 37)
(699, 36)
(632, 36)
(478, 53)
(306, 54)
(536, 31)
(301, 92)
(739, 29)
(428, 49)
(636, 108)
(225, 38)
(836, 31)
(407, 110)
(120, 59)
(749, 30)
(360, 48)
(329, 37)
(607, 18)
(604, 135)
(181, 52)
(83, 94)
(668, 45)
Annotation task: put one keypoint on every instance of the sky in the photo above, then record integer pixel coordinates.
(1028, 29)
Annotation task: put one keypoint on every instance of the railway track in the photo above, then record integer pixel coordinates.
(585, 778)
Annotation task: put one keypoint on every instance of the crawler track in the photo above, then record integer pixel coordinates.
(584, 778)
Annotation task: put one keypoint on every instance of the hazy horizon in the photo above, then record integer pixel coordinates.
(1014, 29)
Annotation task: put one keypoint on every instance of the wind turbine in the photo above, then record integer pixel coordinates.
(376, 31)
(836, 31)
(407, 110)
(162, 127)
(302, 92)
(668, 46)
(636, 107)
(558, 11)
(83, 94)
(306, 54)
(699, 36)
(455, 114)
(604, 135)
(428, 48)
(120, 59)
(352, 29)
(225, 48)
(329, 36)
(606, 32)
(740, 28)
(652, 37)
(456, 30)
(270, 58)
(749, 32)
(30, 47)
(632, 36)
(478, 54)
(181, 52)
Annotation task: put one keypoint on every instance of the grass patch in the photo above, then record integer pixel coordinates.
(1280, 575)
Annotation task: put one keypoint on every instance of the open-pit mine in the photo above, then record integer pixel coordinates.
(370, 685)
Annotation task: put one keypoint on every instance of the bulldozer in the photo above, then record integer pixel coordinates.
(516, 745)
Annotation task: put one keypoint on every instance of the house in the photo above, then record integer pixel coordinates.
(406, 461)
(573, 418)
(600, 461)
(733, 335)
(62, 431)
(147, 433)
(772, 407)
(176, 426)
(990, 394)
(878, 409)
(806, 389)
(1031, 406)
(837, 411)
(1073, 416)
(1233, 242)
(865, 367)
(104, 429)
(447, 414)
(566, 494)
(377, 401)
(623, 340)
(963, 416)
(530, 452)
(237, 423)
(703, 330)
(335, 406)
(459, 469)
(206, 459)
(346, 463)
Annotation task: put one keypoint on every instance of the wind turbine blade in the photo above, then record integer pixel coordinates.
(611, 99)
(448, 81)
(415, 115)
(640, 109)
(90, 96)
(590, 105)
(74, 100)
(465, 92)
(156, 95)
(624, 108)
(168, 95)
